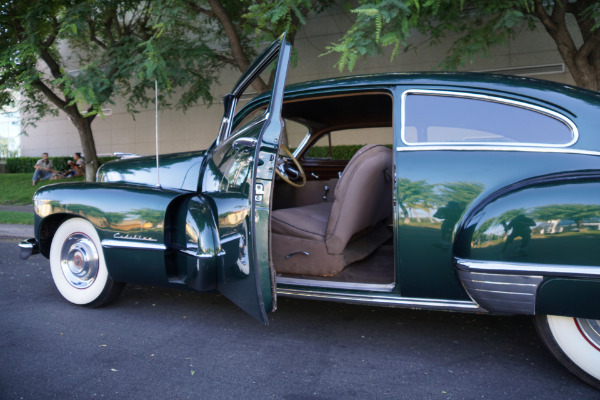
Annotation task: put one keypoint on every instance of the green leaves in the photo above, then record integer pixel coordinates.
(472, 27)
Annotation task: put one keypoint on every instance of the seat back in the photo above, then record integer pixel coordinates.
(362, 197)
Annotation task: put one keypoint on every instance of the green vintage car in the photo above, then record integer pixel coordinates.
(439, 191)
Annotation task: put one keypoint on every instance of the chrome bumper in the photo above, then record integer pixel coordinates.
(29, 247)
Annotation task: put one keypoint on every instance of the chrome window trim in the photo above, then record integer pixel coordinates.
(302, 144)
(251, 124)
(382, 299)
(579, 271)
(122, 244)
(373, 287)
(493, 99)
(538, 149)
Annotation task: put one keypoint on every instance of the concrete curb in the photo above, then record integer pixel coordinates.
(16, 231)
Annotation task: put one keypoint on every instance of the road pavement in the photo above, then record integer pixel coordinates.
(156, 343)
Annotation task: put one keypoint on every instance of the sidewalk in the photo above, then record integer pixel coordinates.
(16, 231)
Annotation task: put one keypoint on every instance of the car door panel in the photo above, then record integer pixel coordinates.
(238, 178)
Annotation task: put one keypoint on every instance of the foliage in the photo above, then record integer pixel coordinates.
(77, 56)
(17, 189)
(116, 47)
(340, 152)
(268, 19)
(473, 28)
(25, 164)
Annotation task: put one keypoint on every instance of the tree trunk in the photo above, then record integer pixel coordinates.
(583, 62)
(84, 128)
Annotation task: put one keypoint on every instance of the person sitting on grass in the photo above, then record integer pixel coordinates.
(76, 168)
(43, 169)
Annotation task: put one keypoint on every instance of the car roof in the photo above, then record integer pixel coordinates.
(579, 105)
(510, 83)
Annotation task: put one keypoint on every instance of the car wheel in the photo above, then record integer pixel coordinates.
(78, 267)
(575, 342)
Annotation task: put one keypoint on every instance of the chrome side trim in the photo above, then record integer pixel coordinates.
(502, 293)
(230, 238)
(122, 244)
(571, 271)
(195, 253)
(373, 287)
(493, 99)
(383, 300)
(538, 149)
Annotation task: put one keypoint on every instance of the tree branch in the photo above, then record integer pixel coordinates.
(590, 44)
(195, 7)
(235, 44)
(93, 37)
(46, 91)
(51, 63)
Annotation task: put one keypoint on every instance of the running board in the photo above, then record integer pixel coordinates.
(327, 284)
(382, 300)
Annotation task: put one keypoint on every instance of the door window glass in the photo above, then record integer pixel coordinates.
(432, 118)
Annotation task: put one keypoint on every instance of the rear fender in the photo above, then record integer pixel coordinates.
(519, 237)
(569, 298)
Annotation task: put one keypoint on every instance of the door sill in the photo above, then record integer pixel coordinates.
(317, 283)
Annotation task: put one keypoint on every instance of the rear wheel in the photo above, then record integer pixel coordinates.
(78, 267)
(575, 342)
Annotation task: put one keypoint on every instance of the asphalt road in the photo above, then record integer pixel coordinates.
(155, 343)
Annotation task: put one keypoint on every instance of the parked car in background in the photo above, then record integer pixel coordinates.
(467, 192)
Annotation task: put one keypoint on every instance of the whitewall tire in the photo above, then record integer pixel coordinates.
(575, 342)
(78, 267)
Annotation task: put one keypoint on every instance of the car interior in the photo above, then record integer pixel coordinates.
(332, 225)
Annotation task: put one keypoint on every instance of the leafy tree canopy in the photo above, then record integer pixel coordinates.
(473, 27)
(79, 55)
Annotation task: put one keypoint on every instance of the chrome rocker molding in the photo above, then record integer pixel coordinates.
(382, 300)
(374, 287)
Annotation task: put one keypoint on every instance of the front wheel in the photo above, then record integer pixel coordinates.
(575, 342)
(78, 267)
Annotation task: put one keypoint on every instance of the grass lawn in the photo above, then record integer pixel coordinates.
(17, 189)
(12, 217)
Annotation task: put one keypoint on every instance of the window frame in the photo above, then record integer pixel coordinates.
(484, 97)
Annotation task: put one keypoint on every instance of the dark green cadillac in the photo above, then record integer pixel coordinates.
(470, 193)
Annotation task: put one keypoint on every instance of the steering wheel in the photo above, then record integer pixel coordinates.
(281, 171)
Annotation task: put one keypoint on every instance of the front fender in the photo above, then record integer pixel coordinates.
(515, 240)
(125, 215)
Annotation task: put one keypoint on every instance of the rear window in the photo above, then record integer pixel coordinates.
(451, 118)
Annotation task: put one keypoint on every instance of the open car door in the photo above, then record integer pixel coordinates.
(238, 177)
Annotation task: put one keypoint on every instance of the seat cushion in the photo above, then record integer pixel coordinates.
(307, 222)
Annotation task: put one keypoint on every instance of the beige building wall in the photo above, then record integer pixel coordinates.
(117, 131)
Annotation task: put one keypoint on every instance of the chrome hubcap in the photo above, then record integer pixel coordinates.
(79, 260)
(590, 328)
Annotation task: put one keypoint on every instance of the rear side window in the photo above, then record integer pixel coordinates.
(451, 118)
